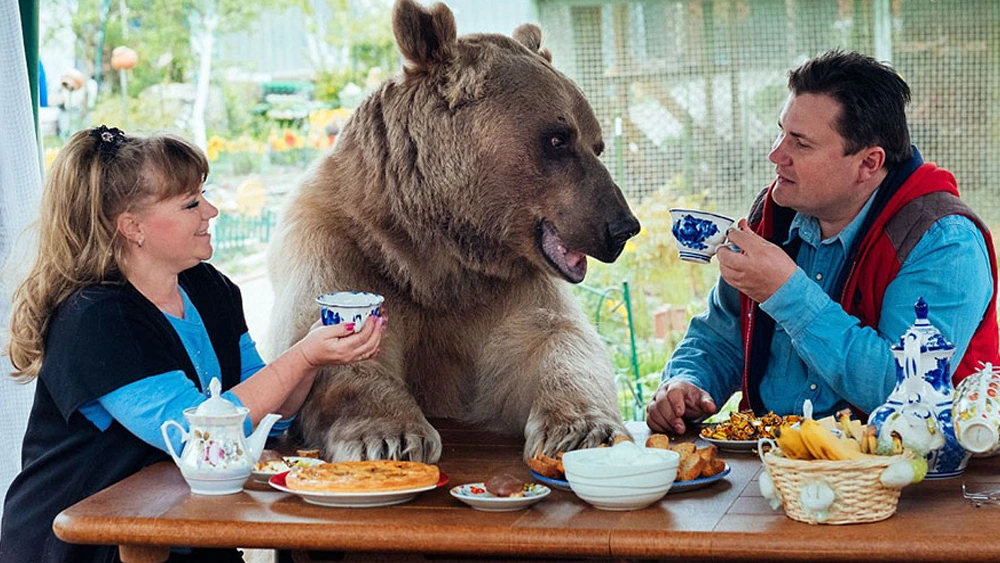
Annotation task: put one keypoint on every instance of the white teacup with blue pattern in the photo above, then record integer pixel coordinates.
(698, 233)
(349, 307)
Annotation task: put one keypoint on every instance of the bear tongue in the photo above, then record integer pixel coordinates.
(571, 264)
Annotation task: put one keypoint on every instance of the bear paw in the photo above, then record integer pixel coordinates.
(562, 435)
(372, 439)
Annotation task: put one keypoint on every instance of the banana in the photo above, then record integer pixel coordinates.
(849, 426)
(824, 445)
(789, 439)
(869, 441)
(844, 417)
(897, 443)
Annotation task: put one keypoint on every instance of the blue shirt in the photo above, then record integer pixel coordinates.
(143, 406)
(818, 351)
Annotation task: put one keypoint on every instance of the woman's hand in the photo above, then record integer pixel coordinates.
(339, 344)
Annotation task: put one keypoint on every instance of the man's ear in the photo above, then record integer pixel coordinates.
(872, 161)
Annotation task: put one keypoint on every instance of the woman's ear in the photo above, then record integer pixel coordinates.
(128, 225)
(872, 161)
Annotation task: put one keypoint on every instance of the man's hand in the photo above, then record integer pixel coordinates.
(673, 402)
(759, 268)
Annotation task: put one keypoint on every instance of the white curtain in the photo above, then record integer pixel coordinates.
(20, 190)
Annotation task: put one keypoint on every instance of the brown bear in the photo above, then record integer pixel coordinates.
(467, 191)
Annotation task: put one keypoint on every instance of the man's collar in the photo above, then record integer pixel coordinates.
(806, 227)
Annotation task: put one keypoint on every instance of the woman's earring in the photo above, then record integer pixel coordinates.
(139, 242)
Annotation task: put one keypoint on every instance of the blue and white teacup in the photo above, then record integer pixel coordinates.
(349, 307)
(698, 233)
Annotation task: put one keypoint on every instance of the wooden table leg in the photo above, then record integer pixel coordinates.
(143, 553)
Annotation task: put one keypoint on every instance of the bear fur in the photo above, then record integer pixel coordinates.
(467, 191)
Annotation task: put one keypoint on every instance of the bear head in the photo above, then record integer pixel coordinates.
(488, 154)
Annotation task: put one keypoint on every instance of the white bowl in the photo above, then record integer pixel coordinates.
(349, 307)
(698, 233)
(621, 477)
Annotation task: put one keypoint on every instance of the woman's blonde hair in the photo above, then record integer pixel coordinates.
(99, 174)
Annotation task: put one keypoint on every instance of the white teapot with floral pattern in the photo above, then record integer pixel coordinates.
(217, 458)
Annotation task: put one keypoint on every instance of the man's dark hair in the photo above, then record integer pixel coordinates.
(872, 100)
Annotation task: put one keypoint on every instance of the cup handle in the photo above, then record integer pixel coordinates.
(166, 438)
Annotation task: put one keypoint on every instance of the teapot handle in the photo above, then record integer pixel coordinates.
(166, 438)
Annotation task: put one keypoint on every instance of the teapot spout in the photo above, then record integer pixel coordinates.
(255, 442)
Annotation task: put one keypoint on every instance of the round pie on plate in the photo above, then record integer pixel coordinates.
(363, 476)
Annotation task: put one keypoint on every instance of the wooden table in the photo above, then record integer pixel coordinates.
(727, 521)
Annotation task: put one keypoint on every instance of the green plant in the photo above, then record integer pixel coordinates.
(146, 114)
(656, 277)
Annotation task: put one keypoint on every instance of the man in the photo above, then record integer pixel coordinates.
(833, 256)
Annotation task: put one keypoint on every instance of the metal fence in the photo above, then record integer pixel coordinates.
(689, 91)
(238, 232)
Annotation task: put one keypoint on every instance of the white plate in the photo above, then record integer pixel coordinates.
(732, 445)
(476, 496)
(558, 484)
(683, 486)
(355, 500)
(291, 461)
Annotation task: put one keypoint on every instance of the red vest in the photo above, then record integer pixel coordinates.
(927, 195)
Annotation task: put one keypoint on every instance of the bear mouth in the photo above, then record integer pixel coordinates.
(571, 264)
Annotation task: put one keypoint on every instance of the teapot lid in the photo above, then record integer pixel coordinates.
(216, 404)
(929, 337)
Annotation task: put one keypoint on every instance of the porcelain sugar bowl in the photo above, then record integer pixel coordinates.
(919, 409)
(217, 458)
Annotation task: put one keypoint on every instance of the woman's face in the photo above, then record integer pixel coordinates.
(174, 231)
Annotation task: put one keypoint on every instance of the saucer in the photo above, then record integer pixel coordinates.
(476, 496)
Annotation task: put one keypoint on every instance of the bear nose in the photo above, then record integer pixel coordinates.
(623, 229)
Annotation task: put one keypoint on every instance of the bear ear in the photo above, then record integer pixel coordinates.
(530, 36)
(425, 37)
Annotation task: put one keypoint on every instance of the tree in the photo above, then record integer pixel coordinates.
(208, 18)
(347, 39)
(175, 39)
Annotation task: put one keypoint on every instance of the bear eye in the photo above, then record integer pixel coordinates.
(558, 141)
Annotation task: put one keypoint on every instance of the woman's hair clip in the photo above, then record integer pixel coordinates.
(109, 139)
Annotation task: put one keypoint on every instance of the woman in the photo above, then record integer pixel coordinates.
(124, 325)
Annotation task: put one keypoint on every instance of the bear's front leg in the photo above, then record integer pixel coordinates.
(550, 372)
(361, 412)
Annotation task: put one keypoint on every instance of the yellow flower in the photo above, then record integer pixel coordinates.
(216, 146)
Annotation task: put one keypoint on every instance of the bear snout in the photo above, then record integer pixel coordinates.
(619, 231)
(622, 229)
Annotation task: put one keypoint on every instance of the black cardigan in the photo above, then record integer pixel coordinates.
(102, 338)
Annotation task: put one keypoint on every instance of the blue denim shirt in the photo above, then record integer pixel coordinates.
(821, 353)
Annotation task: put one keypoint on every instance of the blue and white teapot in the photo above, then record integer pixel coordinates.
(919, 408)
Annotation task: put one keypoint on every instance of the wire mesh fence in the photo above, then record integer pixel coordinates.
(689, 91)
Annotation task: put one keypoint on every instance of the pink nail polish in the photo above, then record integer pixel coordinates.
(349, 326)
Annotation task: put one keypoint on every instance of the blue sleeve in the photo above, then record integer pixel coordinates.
(711, 354)
(144, 405)
(856, 361)
(251, 363)
(250, 360)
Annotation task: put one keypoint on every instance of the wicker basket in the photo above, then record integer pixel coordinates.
(859, 496)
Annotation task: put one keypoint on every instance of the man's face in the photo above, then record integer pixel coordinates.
(814, 175)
